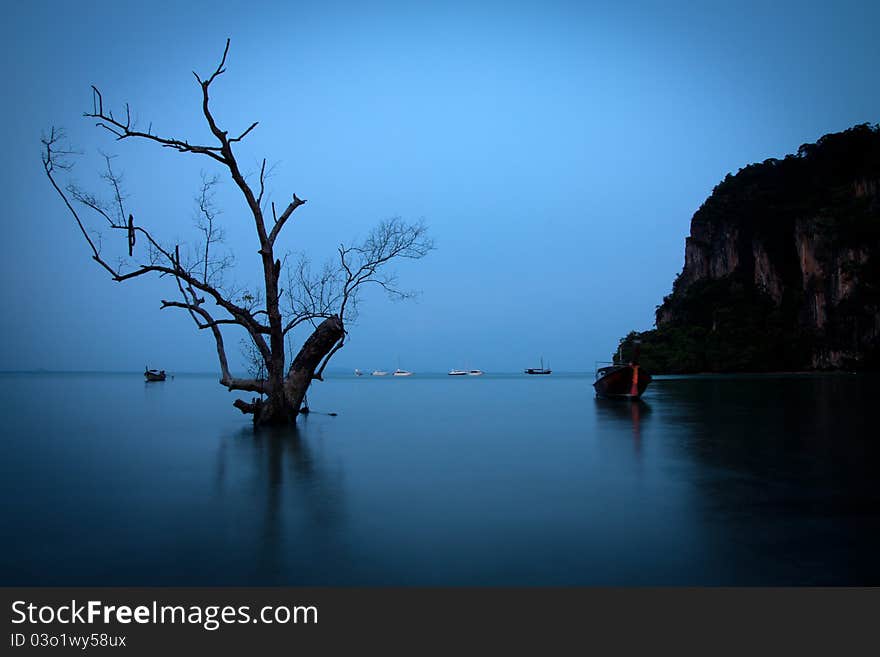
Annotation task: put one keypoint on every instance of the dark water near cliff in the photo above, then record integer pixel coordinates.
(508, 480)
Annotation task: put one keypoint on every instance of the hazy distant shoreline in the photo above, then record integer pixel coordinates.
(559, 373)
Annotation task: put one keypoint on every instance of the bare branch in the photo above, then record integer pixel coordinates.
(220, 66)
(335, 288)
(319, 373)
(257, 366)
(244, 134)
(280, 221)
(226, 378)
(50, 163)
(206, 222)
(126, 131)
(115, 181)
(363, 263)
(248, 408)
(262, 181)
(174, 268)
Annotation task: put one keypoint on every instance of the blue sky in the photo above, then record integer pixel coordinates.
(557, 151)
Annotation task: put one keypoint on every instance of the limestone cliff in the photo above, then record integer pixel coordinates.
(782, 267)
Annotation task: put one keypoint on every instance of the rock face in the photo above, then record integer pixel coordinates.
(782, 267)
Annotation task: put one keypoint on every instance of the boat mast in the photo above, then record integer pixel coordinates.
(637, 348)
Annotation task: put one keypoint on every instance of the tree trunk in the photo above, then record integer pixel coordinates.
(283, 403)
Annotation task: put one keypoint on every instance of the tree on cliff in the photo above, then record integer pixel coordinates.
(323, 300)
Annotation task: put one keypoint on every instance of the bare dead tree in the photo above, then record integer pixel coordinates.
(322, 300)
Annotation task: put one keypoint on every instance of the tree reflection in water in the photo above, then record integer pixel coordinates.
(289, 497)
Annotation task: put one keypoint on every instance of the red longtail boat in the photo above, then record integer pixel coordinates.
(626, 381)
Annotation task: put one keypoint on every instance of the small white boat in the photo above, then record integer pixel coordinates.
(475, 373)
(358, 373)
(400, 372)
(457, 373)
(379, 373)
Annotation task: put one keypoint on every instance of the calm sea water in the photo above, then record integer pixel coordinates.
(435, 480)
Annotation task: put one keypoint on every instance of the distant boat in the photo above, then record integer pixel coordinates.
(475, 373)
(539, 370)
(626, 381)
(154, 375)
(399, 371)
(379, 373)
(358, 373)
(454, 372)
